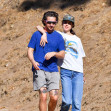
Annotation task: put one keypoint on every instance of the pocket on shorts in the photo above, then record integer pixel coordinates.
(57, 76)
(35, 75)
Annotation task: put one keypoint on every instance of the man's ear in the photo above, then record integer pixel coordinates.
(44, 22)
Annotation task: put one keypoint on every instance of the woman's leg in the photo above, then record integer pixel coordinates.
(77, 91)
(66, 89)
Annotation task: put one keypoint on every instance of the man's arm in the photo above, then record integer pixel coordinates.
(59, 55)
(31, 58)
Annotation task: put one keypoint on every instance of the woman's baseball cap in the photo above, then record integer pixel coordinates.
(69, 18)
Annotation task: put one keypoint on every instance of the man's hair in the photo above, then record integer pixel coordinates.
(49, 14)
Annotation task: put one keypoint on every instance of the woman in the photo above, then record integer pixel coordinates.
(71, 67)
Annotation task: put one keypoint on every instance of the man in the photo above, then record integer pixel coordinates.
(44, 60)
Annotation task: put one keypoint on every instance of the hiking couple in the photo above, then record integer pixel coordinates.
(48, 47)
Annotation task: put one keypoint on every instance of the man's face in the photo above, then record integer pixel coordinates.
(50, 24)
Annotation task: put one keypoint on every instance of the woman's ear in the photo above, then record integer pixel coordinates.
(73, 25)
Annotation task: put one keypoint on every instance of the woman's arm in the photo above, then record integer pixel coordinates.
(43, 40)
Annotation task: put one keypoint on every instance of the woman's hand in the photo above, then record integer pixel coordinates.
(84, 79)
(43, 40)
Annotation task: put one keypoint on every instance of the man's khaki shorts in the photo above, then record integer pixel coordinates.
(50, 80)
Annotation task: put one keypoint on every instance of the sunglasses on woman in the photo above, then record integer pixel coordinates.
(67, 22)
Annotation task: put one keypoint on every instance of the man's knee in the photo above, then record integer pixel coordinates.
(54, 98)
(43, 94)
(43, 98)
(54, 95)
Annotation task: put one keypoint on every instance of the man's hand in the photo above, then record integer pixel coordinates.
(35, 65)
(43, 40)
(49, 55)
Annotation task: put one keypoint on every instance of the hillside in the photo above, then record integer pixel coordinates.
(18, 20)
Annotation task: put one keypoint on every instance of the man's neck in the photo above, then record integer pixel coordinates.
(47, 30)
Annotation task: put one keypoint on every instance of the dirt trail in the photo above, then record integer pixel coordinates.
(92, 25)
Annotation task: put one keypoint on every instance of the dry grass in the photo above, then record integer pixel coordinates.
(92, 25)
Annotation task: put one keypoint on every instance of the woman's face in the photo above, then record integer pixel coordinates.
(67, 26)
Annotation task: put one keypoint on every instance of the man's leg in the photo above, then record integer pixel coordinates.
(43, 99)
(53, 100)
